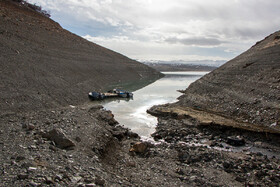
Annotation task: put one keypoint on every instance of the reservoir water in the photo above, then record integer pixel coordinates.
(132, 113)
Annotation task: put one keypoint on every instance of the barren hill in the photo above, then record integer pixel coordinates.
(246, 89)
(44, 65)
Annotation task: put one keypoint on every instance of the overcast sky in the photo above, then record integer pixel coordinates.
(169, 29)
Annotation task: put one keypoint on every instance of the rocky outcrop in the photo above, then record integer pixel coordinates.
(44, 66)
(245, 89)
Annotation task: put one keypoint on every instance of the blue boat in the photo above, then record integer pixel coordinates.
(110, 94)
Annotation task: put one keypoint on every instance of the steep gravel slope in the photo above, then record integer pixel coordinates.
(43, 65)
(246, 89)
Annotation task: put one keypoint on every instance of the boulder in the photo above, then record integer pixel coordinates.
(22, 176)
(59, 138)
(235, 141)
(99, 181)
(107, 116)
(139, 147)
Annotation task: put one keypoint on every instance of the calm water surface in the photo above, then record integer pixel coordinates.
(132, 113)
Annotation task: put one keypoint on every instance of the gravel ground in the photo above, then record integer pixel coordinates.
(85, 146)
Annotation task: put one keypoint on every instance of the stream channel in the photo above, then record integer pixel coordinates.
(132, 113)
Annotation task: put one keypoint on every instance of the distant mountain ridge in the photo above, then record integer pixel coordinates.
(211, 63)
(180, 67)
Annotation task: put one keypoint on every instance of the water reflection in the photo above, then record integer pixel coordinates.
(132, 113)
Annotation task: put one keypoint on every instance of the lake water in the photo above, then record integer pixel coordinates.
(132, 113)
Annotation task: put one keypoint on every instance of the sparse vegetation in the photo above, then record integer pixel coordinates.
(34, 7)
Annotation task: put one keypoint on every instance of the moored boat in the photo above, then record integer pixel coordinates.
(111, 93)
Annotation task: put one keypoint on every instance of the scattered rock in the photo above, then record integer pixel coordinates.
(235, 141)
(58, 177)
(180, 171)
(30, 127)
(22, 176)
(24, 125)
(120, 135)
(193, 178)
(131, 164)
(227, 165)
(59, 138)
(156, 137)
(90, 184)
(107, 116)
(33, 184)
(183, 156)
(51, 147)
(78, 139)
(139, 147)
(95, 107)
(240, 179)
(28, 165)
(258, 144)
(277, 37)
(99, 181)
(251, 184)
(132, 134)
(31, 169)
(48, 180)
(20, 158)
(76, 179)
(89, 180)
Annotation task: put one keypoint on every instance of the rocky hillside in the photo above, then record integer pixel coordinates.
(43, 65)
(245, 89)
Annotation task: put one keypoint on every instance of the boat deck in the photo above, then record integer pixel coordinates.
(111, 95)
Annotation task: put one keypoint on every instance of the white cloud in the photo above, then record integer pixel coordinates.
(152, 50)
(164, 29)
(195, 41)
